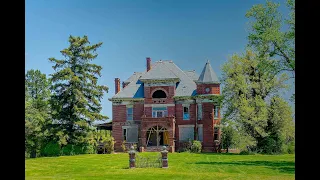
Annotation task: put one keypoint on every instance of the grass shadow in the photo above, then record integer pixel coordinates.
(282, 166)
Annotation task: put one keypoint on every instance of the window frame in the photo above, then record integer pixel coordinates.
(124, 134)
(216, 112)
(201, 134)
(155, 111)
(190, 127)
(129, 114)
(183, 113)
(216, 133)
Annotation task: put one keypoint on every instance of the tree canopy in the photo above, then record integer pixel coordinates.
(76, 99)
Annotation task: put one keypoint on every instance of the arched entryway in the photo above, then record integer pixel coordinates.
(157, 136)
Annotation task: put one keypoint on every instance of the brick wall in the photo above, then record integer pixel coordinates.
(214, 88)
(179, 114)
(171, 110)
(138, 111)
(208, 126)
(148, 111)
(169, 90)
(119, 116)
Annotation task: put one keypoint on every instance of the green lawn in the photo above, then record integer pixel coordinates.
(181, 166)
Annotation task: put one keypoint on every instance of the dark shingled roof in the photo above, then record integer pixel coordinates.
(167, 70)
(207, 75)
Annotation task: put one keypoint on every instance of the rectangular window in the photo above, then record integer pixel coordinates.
(186, 113)
(129, 113)
(216, 111)
(130, 134)
(124, 134)
(216, 131)
(199, 111)
(186, 133)
(200, 134)
(159, 112)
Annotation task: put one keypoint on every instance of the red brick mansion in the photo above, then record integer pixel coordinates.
(166, 106)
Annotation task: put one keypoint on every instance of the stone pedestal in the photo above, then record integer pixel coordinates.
(164, 154)
(132, 158)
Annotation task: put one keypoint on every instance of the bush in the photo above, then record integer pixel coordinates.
(67, 150)
(51, 149)
(185, 146)
(26, 155)
(123, 146)
(245, 152)
(86, 149)
(109, 145)
(289, 148)
(78, 149)
(196, 147)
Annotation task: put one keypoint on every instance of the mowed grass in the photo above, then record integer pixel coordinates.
(181, 166)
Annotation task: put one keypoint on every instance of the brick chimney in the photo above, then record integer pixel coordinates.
(148, 63)
(117, 85)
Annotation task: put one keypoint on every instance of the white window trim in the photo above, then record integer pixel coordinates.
(126, 128)
(199, 126)
(187, 125)
(216, 107)
(129, 106)
(126, 134)
(159, 105)
(163, 112)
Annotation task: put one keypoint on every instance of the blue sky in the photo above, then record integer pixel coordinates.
(187, 32)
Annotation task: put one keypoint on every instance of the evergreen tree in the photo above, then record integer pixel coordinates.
(37, 116)
(76, 95)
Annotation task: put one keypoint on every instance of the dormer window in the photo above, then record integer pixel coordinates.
(159, 94)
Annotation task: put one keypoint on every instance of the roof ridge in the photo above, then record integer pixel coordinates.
(181, 71)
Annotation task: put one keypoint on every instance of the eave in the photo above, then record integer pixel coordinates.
(160, 80)
(125, 99)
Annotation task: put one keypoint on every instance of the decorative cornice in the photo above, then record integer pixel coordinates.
(212, 97)
(160, 80)
(212, 82)
(125, 99)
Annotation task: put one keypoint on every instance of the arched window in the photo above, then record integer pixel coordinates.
(159, 94)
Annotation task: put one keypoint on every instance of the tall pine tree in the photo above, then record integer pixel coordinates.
(37, 116)
(76, 100)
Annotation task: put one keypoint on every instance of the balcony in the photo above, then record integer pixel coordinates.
(169, 119)
(168, 122)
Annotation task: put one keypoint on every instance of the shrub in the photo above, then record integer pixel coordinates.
(245, 152)
(86, 149)
(123, 146)
(196, 147)
(78, 149)
(51, 149)
(67, 150)
(185, 146)
(109, 145)
(289, 148)
(26, 155)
